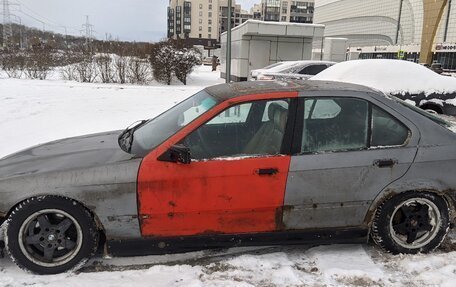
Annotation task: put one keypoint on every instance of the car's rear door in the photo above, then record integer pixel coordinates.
(234, 186)
(349, 149)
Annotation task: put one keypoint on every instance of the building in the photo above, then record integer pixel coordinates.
(197, 21)
(201, 22)
(388, 28)
(256, 44)
(287, 11)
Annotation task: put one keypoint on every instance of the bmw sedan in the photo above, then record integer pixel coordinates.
(253, 163)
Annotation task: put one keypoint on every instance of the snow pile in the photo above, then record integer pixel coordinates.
(390, 76)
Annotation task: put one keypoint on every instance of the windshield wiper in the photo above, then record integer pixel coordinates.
(126, 137)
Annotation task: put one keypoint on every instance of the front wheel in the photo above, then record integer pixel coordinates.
(51, 234)
(411, 222)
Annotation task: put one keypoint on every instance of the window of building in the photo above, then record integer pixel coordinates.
(209, 29)
(284, 18)
(201, 13)
(200, 36)
(201, 21)
(209, 36)
(200, 28)
(209, 14)
(201, 6)
(210, 6)
(238, 131)
(209, 22)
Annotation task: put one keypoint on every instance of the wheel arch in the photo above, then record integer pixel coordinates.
(449, 195)
(432, 106)
(96, 219)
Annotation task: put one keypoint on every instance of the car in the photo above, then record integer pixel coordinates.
(290, 70)
(406, 80)
(241, 164)
(437, 67)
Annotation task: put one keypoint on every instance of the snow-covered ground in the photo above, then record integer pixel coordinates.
(34, 112)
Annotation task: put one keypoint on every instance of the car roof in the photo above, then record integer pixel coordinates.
(228, 91)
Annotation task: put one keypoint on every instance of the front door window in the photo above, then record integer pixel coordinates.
(248, 129)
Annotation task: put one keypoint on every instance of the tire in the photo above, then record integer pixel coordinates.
(50, 235)
(411, 222)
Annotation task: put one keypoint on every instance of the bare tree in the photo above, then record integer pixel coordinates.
(105, 68)
(120, 64)
(13, 63)
(86, 70)
(39, 62)
(138, 71)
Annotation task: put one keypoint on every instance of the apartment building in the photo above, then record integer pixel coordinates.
(287, 11)
(201, 22)
(197, 21)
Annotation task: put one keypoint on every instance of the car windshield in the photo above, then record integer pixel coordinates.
(160, 128)
(273, 65)
(428, 115)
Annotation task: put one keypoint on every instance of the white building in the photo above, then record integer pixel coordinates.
(373, 24)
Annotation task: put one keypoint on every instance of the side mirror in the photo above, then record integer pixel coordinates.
(177, 153)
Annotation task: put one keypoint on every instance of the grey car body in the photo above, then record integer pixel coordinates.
(341, 189)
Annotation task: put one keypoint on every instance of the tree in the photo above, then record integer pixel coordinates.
(163, 61)
(185, 61)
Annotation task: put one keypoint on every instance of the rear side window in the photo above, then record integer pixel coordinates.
(312, 70)
(335, 124)
(344, 124)
(387, 130)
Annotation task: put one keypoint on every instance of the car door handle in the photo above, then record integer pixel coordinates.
(381, 163)
(267, 171)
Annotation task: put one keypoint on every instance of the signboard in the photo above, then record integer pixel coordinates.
(445, 47)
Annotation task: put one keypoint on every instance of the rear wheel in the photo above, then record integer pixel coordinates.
(411, 222)
(49, 235)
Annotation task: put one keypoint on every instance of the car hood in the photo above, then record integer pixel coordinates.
(71, 153)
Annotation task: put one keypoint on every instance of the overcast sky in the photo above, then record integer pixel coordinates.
(131, 20)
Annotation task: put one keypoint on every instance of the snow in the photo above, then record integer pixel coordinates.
(34, 112)
(389, 76)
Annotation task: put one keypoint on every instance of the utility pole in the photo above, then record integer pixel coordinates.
(228, 44)
(398, 28)
(88, 33)
(7, 27)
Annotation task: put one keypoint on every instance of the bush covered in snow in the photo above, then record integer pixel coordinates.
(169, 59)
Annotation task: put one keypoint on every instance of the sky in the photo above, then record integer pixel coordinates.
(129, 20)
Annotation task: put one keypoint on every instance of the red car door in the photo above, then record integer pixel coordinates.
(219, 194)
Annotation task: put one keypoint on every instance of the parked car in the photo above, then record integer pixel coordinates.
(290, 70)
(437, 67)
(406, 80)
(253, 163)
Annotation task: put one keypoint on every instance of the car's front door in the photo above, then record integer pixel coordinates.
(349, 151)
(235, 182)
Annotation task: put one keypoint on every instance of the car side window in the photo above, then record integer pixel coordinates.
(387, 130)
(312, 70)
(334, 124)
(241, 130)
